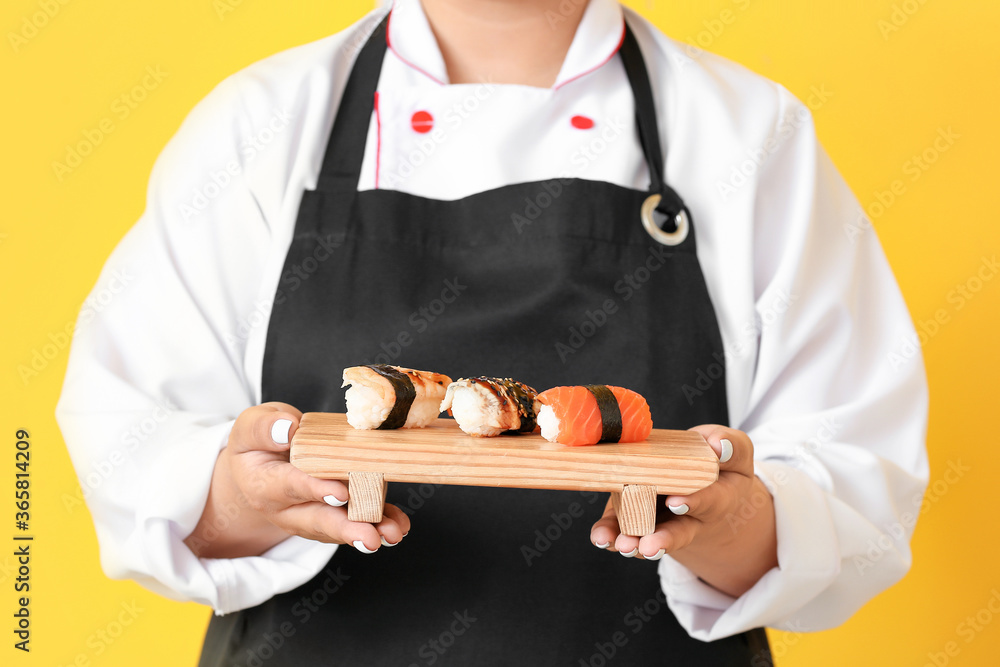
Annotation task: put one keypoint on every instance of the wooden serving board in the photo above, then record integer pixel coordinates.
(668, 462)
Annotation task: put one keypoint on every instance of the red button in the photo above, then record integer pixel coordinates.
(422, 122)
(581, 122)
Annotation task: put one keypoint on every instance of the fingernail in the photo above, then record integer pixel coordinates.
(603, 546)
(360, 546)
(657, 556)
(334, 501)
(727, 450)
(386, 544)
(279, 431)
(679, 509)
(630, 554)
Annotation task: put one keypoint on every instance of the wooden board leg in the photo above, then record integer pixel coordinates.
(366, 496)
(636, 509)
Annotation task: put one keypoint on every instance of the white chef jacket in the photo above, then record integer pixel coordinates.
(168, 349)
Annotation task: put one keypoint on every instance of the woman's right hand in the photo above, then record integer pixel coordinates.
(257, 498)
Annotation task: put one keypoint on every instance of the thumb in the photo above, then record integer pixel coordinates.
(267, 427)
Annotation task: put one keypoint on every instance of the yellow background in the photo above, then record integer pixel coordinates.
(891, 94)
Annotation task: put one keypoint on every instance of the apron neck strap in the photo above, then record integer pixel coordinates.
(645, 108)
(346, 148)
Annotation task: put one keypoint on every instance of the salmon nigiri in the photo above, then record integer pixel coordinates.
(586, 415)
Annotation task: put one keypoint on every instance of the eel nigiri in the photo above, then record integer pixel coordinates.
(485, 406)
(586, 415)
(385, 397)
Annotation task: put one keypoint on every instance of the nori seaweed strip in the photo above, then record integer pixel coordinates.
(611, 414)
(405, 393)
(525, 404)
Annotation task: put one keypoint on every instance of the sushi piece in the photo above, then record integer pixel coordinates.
(386, 397)
(485, 406)
(586, 415)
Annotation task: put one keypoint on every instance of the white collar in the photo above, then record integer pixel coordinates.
(597, 39)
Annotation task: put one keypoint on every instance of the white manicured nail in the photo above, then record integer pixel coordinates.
(360, 546)
(657, 556)
(603, 546)
(334, 501)
(386, 544)
(630, 554)
(279, 431)
(679, 509)
(727, 450)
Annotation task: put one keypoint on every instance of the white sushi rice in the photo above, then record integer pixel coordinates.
(422, 413)
(548, 422)
(475, 408)
(366, 409)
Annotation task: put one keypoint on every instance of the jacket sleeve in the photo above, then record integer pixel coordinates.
(156, 372)
(837, 409)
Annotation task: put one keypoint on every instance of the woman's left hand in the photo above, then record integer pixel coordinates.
(724, 533)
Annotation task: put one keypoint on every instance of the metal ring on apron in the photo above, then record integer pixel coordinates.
(675, 237)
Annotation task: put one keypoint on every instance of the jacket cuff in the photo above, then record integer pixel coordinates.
(241, 583)
(808, 563)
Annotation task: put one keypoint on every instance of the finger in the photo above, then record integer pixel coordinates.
(277, 406)
(270, 485)
(393, 526)
(605, 531)
(320, 522)
(668, 537)
(734, 449)
(711, 502)
(299, 487)
(627, 545)
(264, 427)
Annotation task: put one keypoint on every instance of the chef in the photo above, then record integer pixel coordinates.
(541, 190)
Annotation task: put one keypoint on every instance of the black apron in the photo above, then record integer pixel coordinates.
(551, 283)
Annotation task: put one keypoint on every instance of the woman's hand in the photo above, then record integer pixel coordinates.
(257, 498)
(724, 533)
